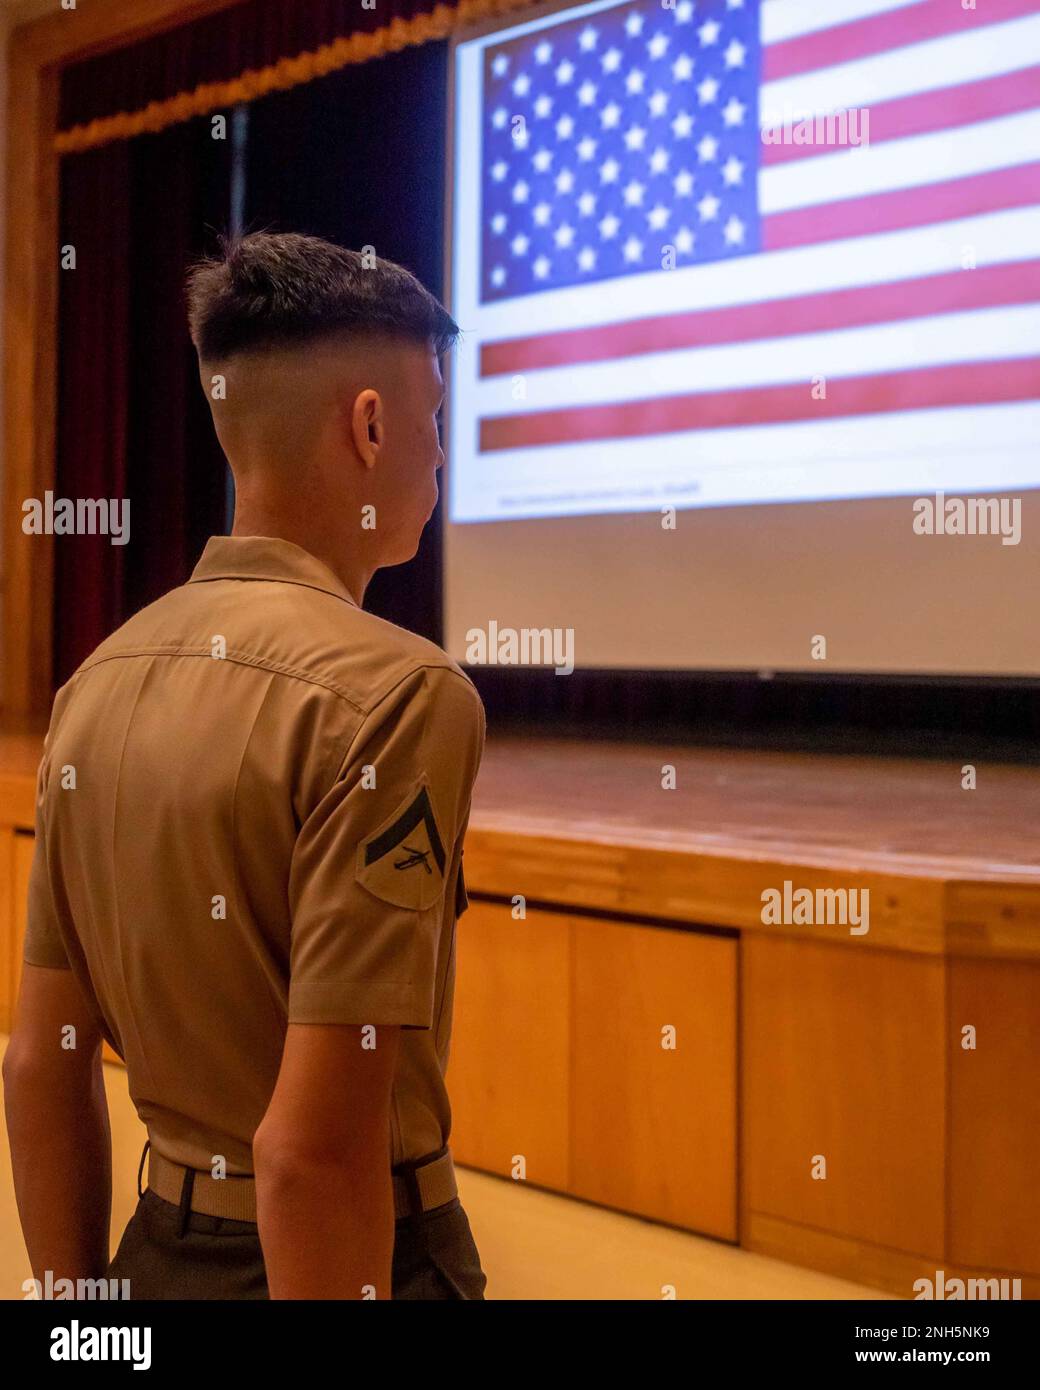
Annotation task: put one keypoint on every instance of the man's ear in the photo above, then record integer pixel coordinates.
(366, 426)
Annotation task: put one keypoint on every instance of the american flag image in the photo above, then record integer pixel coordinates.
(615, 136)
(666, 267)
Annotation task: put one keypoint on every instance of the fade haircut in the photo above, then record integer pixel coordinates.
(272, 289)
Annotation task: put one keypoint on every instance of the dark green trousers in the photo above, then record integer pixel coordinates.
(214, 1258)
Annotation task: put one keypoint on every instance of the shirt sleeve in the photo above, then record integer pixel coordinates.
(43, 939)
(371, 876)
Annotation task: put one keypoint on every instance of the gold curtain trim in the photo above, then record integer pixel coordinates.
(441, 21)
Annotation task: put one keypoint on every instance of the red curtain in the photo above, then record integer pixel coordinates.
(93, 355)
(132, 422)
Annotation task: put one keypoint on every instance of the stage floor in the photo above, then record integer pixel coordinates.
(905, 814)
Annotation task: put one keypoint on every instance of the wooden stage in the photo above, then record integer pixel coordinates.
(629, 1030)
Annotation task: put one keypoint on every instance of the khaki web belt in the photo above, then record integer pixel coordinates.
(419, 1186)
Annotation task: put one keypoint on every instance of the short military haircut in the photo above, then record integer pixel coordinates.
(272, 289)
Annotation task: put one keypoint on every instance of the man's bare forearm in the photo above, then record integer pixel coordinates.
(61, 1157)
(326, 1227)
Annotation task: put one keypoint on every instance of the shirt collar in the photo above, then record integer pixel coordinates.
(266, 557)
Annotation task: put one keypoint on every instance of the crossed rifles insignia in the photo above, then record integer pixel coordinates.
(404, 861)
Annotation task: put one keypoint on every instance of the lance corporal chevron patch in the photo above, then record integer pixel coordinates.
(403, 861)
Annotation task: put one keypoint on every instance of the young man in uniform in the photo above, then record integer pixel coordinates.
(251, 810)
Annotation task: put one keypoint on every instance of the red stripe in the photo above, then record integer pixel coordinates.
(1016, 282)
(880, 33)
(995, 191)
(981, 383)
(924, 112)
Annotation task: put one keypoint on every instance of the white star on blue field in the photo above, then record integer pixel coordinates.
(639, 131)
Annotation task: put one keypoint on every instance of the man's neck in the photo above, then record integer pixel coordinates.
(349, 569)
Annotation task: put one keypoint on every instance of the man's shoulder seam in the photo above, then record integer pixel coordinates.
(238, 658)
(358, 703)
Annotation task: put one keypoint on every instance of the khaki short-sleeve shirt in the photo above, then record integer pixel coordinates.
(250, 812)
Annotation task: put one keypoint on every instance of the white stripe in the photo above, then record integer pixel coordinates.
(896, 164)
(919, 67)
(980, 335)
(785, 19)
(968, 449)
(869, 260)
